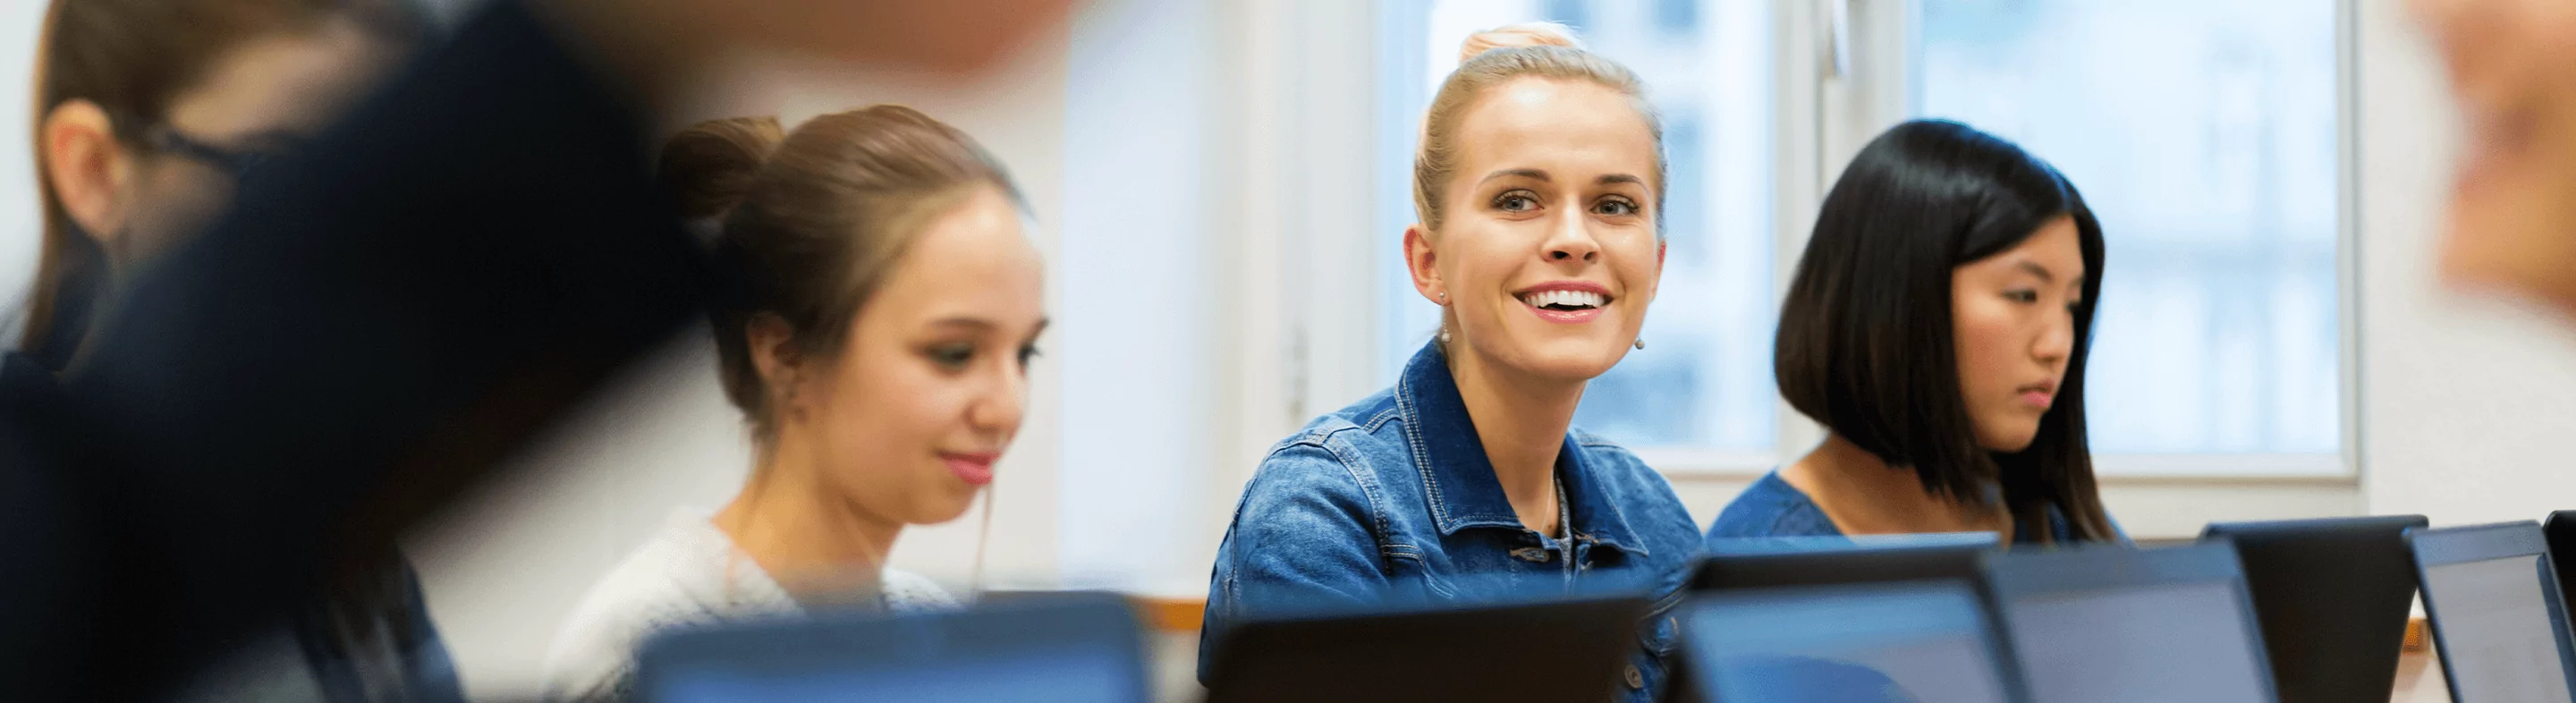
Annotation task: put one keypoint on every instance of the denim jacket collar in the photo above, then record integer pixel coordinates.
(1459, 478)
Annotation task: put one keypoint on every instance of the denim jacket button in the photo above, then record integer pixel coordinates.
(1532, 554)
(1636, 679)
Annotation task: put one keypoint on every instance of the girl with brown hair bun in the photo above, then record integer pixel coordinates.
(882, 306)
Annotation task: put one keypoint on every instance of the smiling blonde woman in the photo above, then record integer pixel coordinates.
(1539, 189)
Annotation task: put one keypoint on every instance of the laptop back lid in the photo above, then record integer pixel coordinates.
(1078, 648)
(1561, 650)
(2493, 598)
(2333, 597)
(1924, 641)
(2114, 624)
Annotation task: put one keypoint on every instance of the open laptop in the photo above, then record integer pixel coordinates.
(1541, 652)
(1736, 563)
(2333, 597)
(1923, 641)
(2114, 624)
(1084, 648)
(2497, 618)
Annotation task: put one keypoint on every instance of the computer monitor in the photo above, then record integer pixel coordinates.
(1917, 642)
(2114, 624)
(2332, 596)
(1560, 650)
(1085, 648)
(2497, 618)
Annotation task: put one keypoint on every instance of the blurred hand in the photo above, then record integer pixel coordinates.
(2513, 212)
(654, 43)
(946, 36)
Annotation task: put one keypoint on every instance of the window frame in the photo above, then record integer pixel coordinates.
(1882, 40)
(1829, 99)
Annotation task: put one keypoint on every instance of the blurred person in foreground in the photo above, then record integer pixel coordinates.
(380, 319)
(1540, 188)
(885, 306)
(2513, 212)
(148, 114)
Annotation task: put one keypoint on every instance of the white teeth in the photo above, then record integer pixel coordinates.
(1570, 298)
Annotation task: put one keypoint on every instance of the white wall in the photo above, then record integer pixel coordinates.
(2467, 401)
(21, 222)
(1141, 356)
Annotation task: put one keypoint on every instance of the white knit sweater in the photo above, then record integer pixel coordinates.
(687, 574)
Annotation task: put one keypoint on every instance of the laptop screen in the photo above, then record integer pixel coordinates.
(1076, 675)
(1930, 646)
(2148, 644)
(2495, 630)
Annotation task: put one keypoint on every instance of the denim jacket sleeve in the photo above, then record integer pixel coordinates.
(1304, 537)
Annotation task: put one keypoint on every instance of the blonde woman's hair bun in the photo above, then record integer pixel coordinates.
(1522, 34)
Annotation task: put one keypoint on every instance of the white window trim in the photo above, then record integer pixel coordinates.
(1847, 111)
(1820, 120)
(2322, 467)
(2348, 232)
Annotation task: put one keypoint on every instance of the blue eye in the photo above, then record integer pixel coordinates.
(1516, 201)
(1616, 207)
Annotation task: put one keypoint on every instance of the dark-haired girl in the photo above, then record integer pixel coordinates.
(1937, 328)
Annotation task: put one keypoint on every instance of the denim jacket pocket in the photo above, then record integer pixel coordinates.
(1662, 626)
(1657, 636)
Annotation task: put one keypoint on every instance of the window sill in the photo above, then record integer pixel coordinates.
(2110, 469)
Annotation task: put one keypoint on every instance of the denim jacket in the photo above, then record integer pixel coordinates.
(1392, 499)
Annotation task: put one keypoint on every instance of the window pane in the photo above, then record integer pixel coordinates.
(1704, 378)
(2203, 134)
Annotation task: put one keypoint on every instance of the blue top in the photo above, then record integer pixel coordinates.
(1393, 500)
(1773, 508)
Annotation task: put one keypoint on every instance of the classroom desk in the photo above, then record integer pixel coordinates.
(1172, 626)
(2419, 679)
(1175, 624)
(2419, 671)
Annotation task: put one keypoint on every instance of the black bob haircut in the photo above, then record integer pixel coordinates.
(1866, 337)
